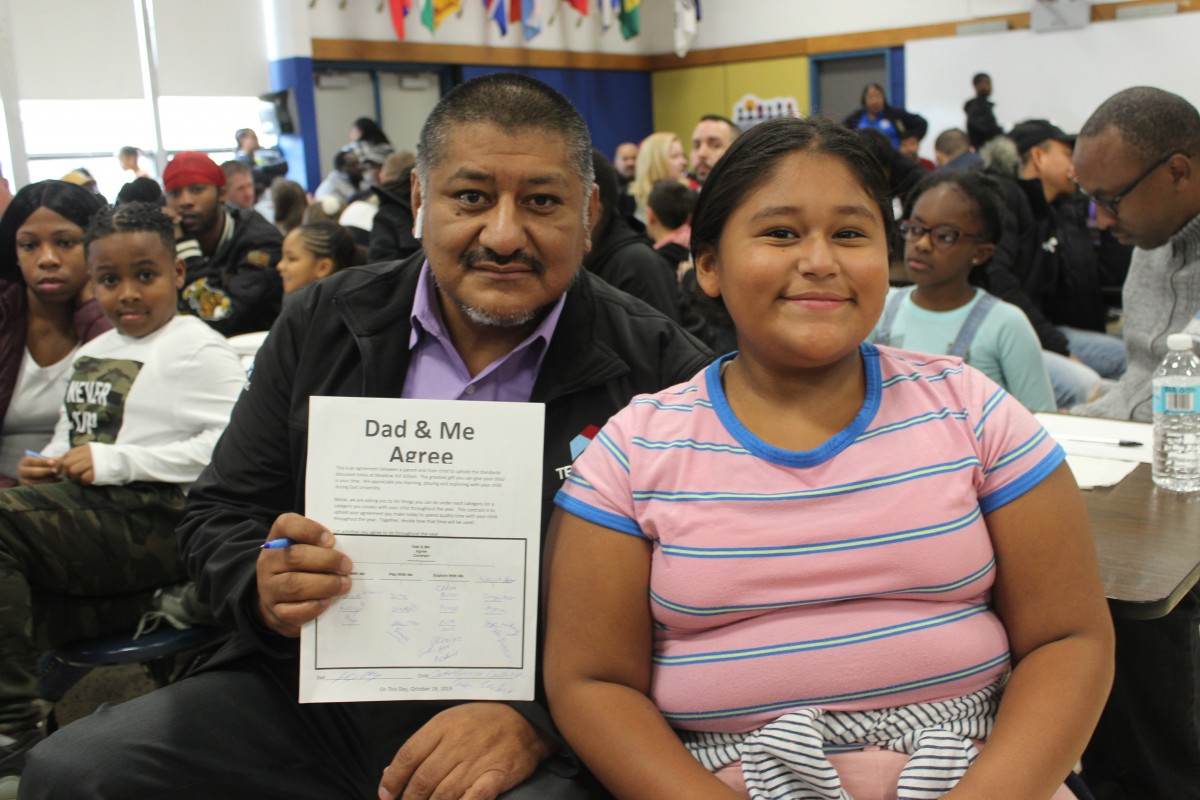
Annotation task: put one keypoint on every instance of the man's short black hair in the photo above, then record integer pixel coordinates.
(131, 218)
(671, 202)
(339, 159)
(1153, 122)
(513, 103)
(979, 78)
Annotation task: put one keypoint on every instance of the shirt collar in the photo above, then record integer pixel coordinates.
(426, 316)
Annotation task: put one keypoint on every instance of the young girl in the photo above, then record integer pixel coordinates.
(314, 251)
(45, 311)
(821, 565)
(951, 231)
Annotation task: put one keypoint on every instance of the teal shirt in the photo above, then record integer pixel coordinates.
(1005, 347)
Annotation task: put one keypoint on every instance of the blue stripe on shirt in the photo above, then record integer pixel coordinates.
(970, 462)
(709, 611)
(864, 694)
(1034, 476)
(827, 643)
(876, 540)
(599, 516)
(904, 424)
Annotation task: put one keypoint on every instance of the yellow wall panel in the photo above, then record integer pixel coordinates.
(776, 77)
(682, 96)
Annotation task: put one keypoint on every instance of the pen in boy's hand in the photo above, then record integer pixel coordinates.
(277, 544)
(35, 454)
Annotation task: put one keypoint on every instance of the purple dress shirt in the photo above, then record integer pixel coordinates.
(437, 371)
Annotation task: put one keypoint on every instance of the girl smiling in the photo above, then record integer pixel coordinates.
(821, 565)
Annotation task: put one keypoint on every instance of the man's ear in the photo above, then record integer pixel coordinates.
(706, 273)
(1181, 169)
(418, 206)
(180, 274)
(1037, 157)
(651, 217)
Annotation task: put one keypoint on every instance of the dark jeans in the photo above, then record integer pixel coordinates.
(237, 731)
(1147, 745)
(76, 562)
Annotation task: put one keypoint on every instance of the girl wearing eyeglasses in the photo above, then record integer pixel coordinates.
(953, 222)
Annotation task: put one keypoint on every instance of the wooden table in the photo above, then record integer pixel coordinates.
(1148, 542)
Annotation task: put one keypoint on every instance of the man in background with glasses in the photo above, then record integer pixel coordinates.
(1136, 159)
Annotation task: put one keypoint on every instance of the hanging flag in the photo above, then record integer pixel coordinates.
(606, 12)
(514, 12)
(531, 18)
(686, 16)
(495, 10)
(435, 12)
(579, 5)
(628, 14)
(399, 10)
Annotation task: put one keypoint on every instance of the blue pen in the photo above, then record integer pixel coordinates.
(277, 544)
(36, 454)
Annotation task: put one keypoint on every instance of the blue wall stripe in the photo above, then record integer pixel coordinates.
(300, 148)
(615, 103)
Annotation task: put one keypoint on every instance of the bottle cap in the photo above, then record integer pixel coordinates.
(1179, 341)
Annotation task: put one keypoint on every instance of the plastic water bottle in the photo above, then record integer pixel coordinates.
(1176, 388)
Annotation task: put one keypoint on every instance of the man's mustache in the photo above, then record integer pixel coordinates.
(485, 255)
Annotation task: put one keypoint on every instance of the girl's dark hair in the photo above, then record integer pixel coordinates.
(985, 206)
(141, 190)
(69, 201)
(751, 160)
(370, 131)
(862, 100)
(133, 217)
(329, 240)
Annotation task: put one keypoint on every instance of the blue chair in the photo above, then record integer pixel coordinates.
(156, 651)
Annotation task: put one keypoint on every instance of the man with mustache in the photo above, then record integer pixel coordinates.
(230, 254)
(1136, 159)
(496, 308)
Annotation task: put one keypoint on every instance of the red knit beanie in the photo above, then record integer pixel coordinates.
(188, 168)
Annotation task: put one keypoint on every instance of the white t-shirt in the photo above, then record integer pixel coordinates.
(151, 409)
(33, 410)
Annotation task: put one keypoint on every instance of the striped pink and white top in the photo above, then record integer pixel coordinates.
(853, 576)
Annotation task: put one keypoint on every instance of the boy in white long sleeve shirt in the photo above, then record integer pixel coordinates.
(90, 535)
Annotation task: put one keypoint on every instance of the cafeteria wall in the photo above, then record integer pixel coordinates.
(682, 96)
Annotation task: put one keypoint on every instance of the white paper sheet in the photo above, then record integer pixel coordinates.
(438, 504)
(1092, 472)
(1063, 427)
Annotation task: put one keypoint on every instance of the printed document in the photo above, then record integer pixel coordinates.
(438, 504)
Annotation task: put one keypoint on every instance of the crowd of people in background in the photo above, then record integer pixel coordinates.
(1010, 253)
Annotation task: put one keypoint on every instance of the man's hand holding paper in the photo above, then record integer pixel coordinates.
(297, 583)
